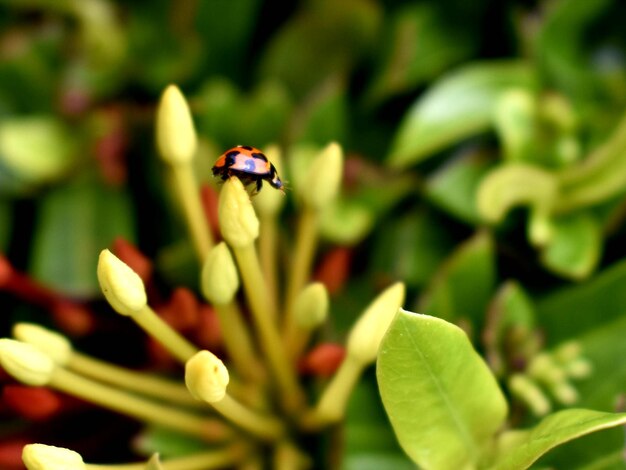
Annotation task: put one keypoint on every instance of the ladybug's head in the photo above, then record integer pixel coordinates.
(275, 182)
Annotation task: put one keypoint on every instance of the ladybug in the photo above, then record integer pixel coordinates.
(248, 164)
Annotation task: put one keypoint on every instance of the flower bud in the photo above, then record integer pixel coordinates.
(176, 136)
(206, 377)
(311, 306)
(530, 394)
(324, 177)
(25, 362)
(122, 287)
(44, 457)
(238, 222)
(219, 278)
(368, 331)
(53, 344)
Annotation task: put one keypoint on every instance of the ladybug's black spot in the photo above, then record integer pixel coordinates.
(230, 157)
(259, 155)
(250, 165)
(246, 147)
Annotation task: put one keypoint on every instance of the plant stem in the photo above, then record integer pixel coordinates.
(139, 408)
(332, 404)
(269, 338)
(212, 459)
(268, 238)
(151, 385)
(188, 192)
(300, 270)
(238, 342)
(176, 344)
(268, 428)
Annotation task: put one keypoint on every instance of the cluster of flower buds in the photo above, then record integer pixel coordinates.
(254, 399)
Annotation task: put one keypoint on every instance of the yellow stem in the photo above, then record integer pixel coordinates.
(268, 238)
(238, 342)
(266, 427)
(212, 459)
(139, 408)
(169, 338)
(300, 270)
(331, 406)
(188, 193)
(269, 338)
(151, 385)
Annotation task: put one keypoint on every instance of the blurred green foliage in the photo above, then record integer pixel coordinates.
(486, 143)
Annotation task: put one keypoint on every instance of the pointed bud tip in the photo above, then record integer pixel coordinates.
(176, 136)
(368, 331)
(122, 287)
(311, 306)
(55, 345)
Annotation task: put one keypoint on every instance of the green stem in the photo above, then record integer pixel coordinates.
(300, 270)
(139, 408)
(238, 342)
(212, 459)
(268, 238)
(157, 387)
(188, 193)
(332, 404)
(269, 338)
(169, 338)
(268, 428)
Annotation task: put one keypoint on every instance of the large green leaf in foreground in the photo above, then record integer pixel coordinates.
(443, 402)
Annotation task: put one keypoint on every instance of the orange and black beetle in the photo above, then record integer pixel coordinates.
(248, 164)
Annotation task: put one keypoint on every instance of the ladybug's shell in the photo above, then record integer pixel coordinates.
(249, 164)
(243, 159)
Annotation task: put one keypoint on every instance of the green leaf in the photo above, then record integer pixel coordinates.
(412, 247)
(168, 443)
(453, 187)
(512, 185)
(75, 223)
(368, 437)
(458, 106)
(571, 311)
(574, 247)
(36, 149)
(464, 284)
(346, 222)
(420, 45)
(441, 398)
(324, 116)
(323, 39)
(525, 447)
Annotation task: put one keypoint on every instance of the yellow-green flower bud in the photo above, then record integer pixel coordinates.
(44, 457)
(25, 362)
(53, 344)
(206, 377)
(176, 136)
(219, 278)
(368, 331)
(530, 394)
(324, 177)
(311, 306)
(269, 203)
(238, 222)
(122, 287)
